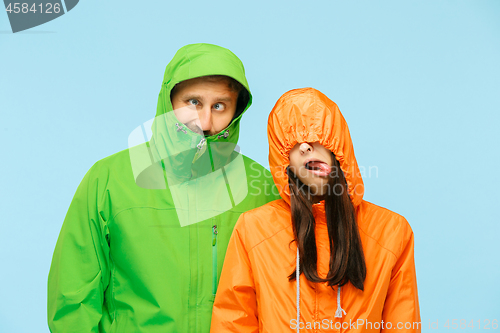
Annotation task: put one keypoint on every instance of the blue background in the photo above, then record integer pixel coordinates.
(417, 81)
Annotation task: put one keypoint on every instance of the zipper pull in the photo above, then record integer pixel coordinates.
(179, 128)
(214, 259)
(201, 143)
(214, 235)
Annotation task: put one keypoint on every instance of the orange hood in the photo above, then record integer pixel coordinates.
(307, 115)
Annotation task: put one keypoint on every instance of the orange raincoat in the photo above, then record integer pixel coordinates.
(254, 293)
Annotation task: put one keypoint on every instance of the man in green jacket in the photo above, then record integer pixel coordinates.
(143, 242)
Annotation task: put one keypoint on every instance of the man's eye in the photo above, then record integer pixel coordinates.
(193, 101)
(219, 106)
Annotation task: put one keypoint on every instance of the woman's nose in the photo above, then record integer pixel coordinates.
(305, 148)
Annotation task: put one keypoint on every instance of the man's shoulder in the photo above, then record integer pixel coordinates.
(118, 157)
(253, 165)
(116, 164)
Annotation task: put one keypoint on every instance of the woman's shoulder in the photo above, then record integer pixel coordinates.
(264, 222)
(387, 228)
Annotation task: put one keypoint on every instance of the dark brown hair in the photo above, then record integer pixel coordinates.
(347, 261)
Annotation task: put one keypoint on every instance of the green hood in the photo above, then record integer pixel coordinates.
(177, 147)
(190, 62)
(196, 60)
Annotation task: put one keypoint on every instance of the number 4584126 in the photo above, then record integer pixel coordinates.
(24, 8)
(462, 324)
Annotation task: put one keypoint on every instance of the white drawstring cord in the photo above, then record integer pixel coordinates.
(338, 313)
(297, 278)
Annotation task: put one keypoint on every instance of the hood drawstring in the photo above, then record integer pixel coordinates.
(338, 313)
(297, 278)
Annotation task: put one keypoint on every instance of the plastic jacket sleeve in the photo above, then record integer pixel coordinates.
(235, 307)
(78, 274)
(401, 307)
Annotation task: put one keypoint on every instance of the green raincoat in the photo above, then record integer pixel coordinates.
(143, 242)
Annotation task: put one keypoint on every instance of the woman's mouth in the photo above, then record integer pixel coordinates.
(318, 168)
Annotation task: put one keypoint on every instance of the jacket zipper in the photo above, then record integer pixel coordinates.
(214, 259)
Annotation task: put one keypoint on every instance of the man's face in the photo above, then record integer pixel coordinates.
(204, 105)
(312, 164)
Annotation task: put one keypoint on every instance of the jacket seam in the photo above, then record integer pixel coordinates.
(123, 210)
(100, 221)
(376, 241)
(271, 236)
(155, 208)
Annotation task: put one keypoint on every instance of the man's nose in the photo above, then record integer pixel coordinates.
(305, 148)
(205, 115)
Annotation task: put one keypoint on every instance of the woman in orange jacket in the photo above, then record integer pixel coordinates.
(321, 259)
